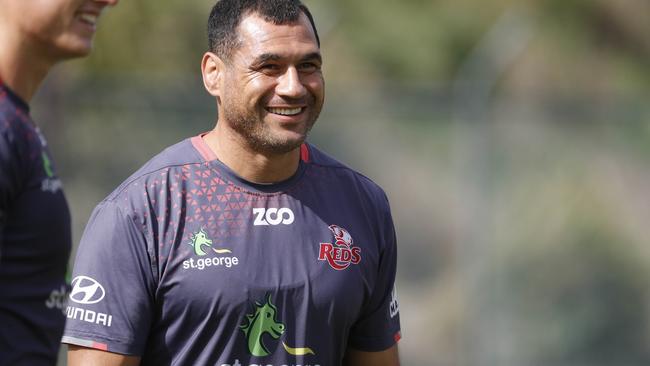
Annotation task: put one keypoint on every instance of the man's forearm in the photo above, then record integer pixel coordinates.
(389, 357)
(82, 356)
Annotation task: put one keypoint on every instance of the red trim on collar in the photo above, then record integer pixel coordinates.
(203, 148)
(304, 153)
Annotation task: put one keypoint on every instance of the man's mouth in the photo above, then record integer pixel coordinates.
(89, 18)
(285, 111)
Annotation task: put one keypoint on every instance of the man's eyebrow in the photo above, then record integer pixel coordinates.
(313, 56)
(266, 57)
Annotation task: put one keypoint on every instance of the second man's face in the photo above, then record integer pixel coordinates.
(60, 29)
(273, 87)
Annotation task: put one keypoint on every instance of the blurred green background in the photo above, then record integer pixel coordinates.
(512, 137)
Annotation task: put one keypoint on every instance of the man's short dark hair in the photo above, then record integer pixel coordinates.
(227, 14)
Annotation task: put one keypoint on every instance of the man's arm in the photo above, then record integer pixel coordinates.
(82, 356)
(388, 357)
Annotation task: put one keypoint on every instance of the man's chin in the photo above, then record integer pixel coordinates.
(279, 148)
(73, 49)
(272, 139)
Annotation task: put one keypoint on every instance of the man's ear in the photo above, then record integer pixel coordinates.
(212, 69)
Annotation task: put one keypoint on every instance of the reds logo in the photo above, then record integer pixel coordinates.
(340, 254)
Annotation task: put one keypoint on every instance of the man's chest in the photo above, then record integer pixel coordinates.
(308, 261)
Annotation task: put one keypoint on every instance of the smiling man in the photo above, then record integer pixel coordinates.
(244, 245)
(34, 217)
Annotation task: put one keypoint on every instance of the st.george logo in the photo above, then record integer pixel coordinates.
(86, 290)
(340, 254)
(263, 321)
(50, 183)
(200, 240)
(47, 165)
(201, 243)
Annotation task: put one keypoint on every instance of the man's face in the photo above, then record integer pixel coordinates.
(60, 28)
(273, 86)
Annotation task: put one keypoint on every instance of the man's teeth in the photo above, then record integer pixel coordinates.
(285, 111)
(89, 18)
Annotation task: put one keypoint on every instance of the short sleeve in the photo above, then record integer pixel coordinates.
(378, 328)
(110, 305)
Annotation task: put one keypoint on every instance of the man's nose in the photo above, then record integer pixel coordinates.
(289, 84)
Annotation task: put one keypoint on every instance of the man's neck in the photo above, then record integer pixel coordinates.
(21, 68)
(253, 166)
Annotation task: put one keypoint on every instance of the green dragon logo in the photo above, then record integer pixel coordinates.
(263, 321)
(200, 240)
(47, 165)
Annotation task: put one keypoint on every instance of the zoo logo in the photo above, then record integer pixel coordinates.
(262, 321)
(273, 216)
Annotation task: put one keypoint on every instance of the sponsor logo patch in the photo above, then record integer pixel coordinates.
(202, 245)
(263, 321)
(394, 303)
(89, 316)
(86, 290)
(341, 253)
(58, 299)
(273, 216)
(50, 183)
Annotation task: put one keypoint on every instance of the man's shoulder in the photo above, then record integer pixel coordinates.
(18, 135)
(173, 157)
(11, 116)
(11, 106)
(318, 158)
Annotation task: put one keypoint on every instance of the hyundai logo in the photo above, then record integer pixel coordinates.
(86, 290)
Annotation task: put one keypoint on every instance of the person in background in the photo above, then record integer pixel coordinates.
(35, 237)
(244, 245)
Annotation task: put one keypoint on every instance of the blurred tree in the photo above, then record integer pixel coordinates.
(397, 40)
(413, 39)
(151, 37)
(582, 302)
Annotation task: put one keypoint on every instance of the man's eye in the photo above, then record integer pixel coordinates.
(308, 67)
(270, 67)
